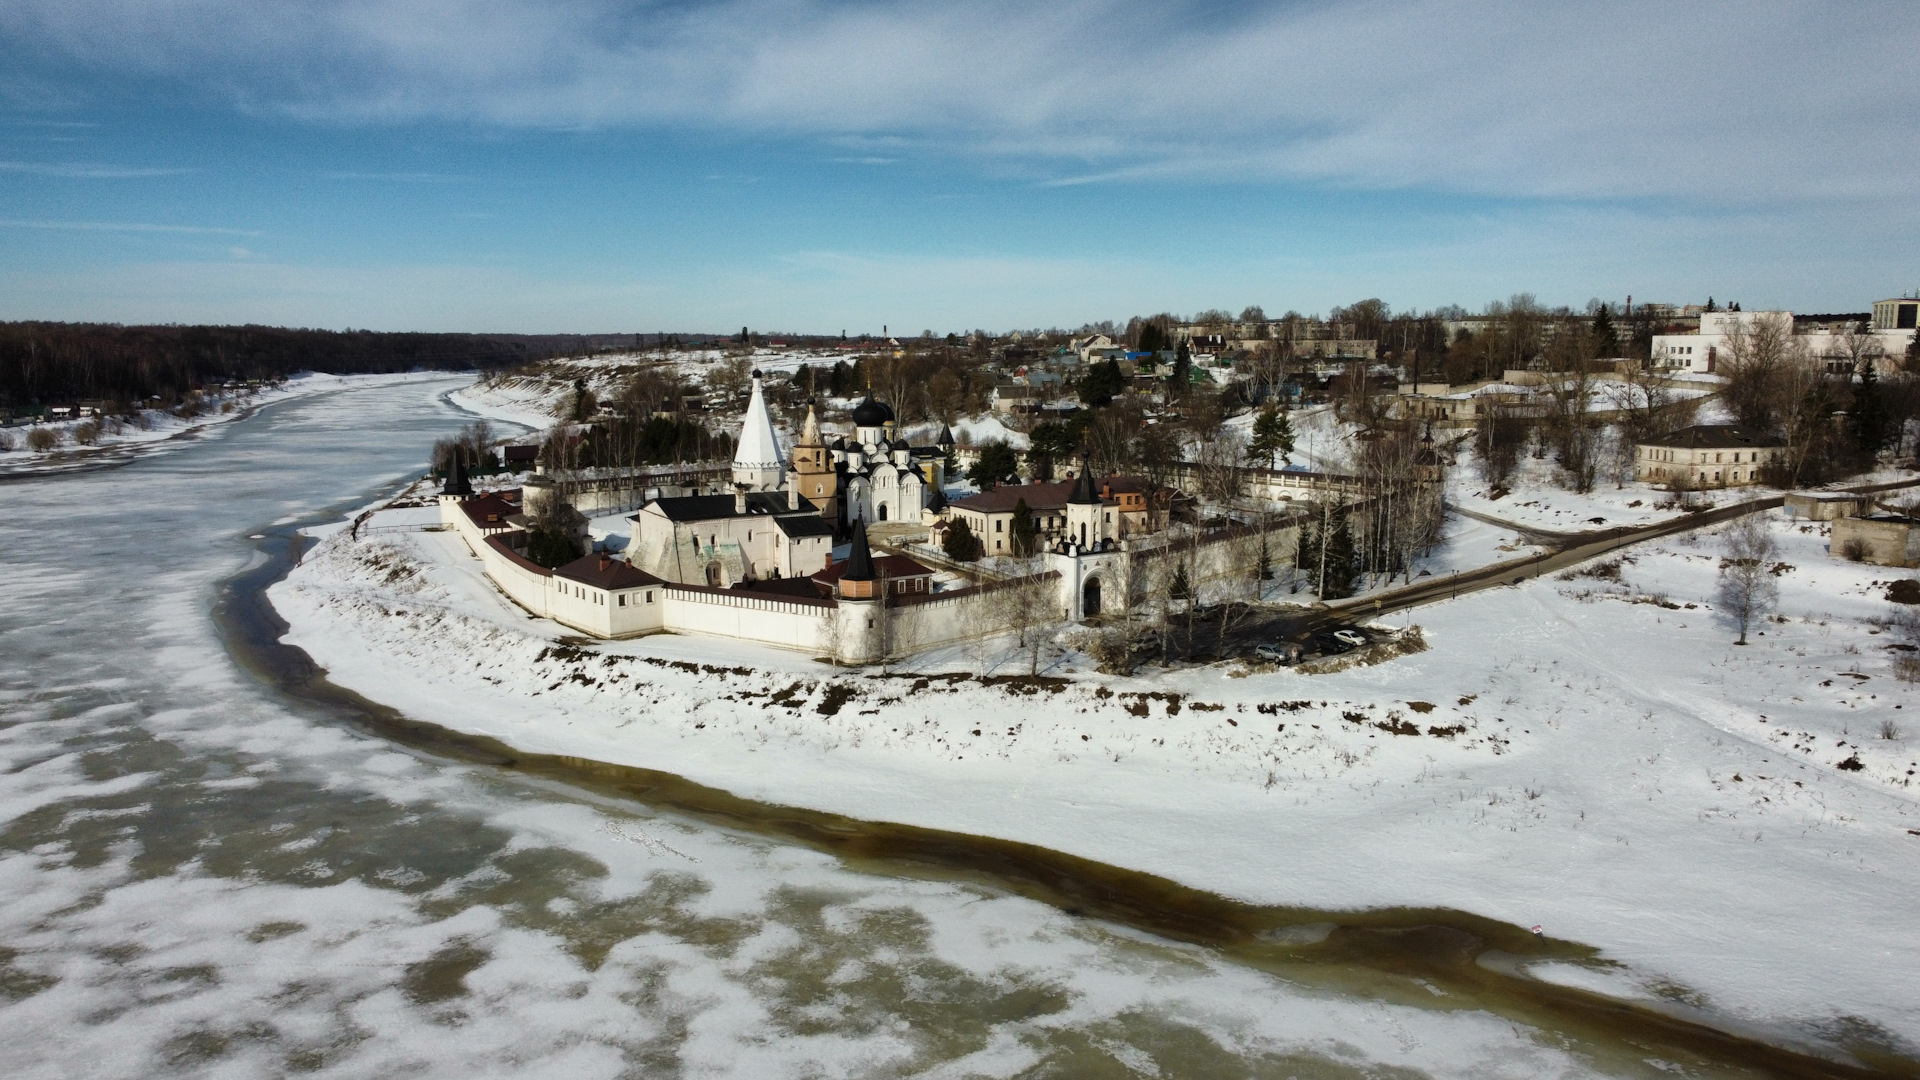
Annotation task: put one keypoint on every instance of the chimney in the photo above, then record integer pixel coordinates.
(793, 497)
(739, 500)
(605, 561)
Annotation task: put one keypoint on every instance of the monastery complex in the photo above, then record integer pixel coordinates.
(780, 553)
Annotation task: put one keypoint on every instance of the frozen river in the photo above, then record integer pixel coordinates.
(202, 875)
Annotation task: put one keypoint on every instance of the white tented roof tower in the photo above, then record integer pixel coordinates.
(757, 464)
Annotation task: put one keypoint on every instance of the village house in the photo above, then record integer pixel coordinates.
(1703, 456)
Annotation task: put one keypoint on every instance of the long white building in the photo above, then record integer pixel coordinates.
(1832, 348)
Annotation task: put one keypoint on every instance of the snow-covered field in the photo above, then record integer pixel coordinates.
(1593, 754)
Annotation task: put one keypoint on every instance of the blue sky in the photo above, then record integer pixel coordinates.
(593, 165)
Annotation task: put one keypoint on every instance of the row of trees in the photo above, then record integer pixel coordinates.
(48, 362)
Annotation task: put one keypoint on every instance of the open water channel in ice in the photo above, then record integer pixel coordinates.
(200, 875)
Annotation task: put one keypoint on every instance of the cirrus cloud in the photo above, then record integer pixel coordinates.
(1709, 102)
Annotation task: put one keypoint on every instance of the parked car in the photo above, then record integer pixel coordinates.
(1338, 641)
(1271, 653)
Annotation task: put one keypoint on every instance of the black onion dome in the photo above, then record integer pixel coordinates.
(871, 413)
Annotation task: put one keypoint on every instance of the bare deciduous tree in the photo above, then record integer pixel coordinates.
(1499, 435)
(1029, 604)
(1761, 356)
(1747, 587)
(1645, 406)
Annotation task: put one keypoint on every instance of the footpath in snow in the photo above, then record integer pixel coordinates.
(1734, 828)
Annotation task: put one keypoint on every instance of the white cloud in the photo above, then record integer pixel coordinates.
(1710, 102)
(124, 226)
(86, 171)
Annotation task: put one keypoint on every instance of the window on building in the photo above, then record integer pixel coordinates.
(999, 526)
(623, 599)
(649, 596)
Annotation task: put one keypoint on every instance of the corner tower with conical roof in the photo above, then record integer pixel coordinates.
(757, 464)
(454, 491)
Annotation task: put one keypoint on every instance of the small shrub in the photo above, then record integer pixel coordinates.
(1854, 550)
(6, 441)
(1605, 570)
(1889, 730)
(87, 433)
(1112, 650)
(1907, 669)
(41, 439)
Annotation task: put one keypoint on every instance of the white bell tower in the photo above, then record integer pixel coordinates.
(757, 464)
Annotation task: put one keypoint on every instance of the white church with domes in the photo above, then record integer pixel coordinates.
(789, 507)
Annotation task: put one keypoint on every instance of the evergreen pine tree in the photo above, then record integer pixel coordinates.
(1306, 556)
(1337, 582)
(960, 543)
(1023, 529)
(1181, 588)
(1869, 421)
(1102, 383)
(1182, 368)
(997, 462)
(1606, 339)
(1272, 435)
(1152, 338)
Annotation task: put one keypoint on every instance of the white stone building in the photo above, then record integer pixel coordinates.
(1834, 348)
(1704, 456)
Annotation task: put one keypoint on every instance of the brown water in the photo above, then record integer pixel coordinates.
(204, 871)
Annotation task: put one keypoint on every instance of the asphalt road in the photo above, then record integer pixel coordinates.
(1298, 625)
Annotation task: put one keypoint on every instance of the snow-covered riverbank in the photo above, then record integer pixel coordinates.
(157, 430)
(1589, 754)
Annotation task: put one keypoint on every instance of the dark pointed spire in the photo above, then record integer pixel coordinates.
(1083, 487)
(456, 483)
(946, 436)
(859, 556)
